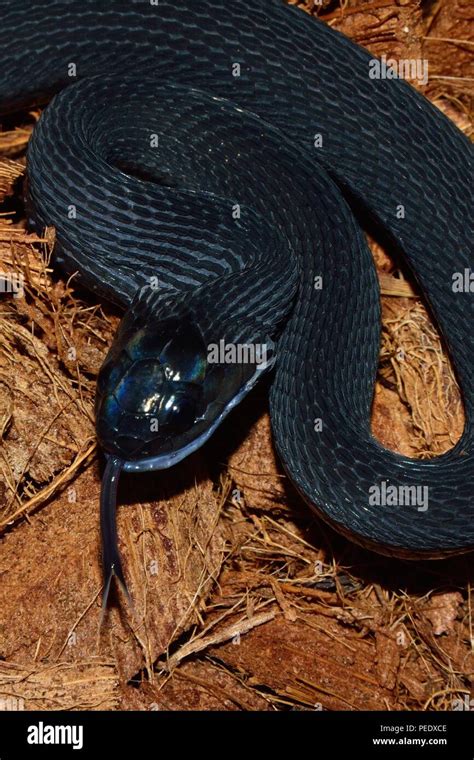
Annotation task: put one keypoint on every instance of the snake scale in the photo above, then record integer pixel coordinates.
(206, 166)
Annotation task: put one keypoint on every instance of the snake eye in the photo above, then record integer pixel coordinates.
(178, 413)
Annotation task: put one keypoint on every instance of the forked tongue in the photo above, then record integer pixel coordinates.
(111, 562)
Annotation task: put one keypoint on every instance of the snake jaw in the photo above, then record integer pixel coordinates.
(111, 561)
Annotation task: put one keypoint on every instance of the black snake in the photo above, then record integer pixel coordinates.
(200, 171)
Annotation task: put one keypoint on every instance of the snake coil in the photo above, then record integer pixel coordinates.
(220, 152)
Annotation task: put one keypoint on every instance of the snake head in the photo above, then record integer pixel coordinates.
(149, 388)
(160, 394)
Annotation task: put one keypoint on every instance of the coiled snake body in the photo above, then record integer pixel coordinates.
(210, 153)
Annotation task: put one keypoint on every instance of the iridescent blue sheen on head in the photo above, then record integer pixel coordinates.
(150, 387)
(157, 394)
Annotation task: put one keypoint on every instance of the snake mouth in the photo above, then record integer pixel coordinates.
(175, 450)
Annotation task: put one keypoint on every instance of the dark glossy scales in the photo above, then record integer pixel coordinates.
(381, 142)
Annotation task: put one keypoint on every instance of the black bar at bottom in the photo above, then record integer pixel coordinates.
(125, 734)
